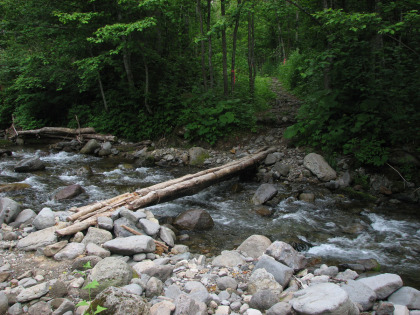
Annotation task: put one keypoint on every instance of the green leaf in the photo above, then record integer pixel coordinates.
(91, 285)
(99, 309)
(82, 303)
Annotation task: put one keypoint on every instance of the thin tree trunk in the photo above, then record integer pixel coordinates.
(281, 41)
(210, 53)
(234, 39)
(251, 55)
(203, 63)
(146, 87)
(224, 49)
(101, 88)
(327, 69)
(127, 64)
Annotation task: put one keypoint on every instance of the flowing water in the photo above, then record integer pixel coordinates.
(334, 227)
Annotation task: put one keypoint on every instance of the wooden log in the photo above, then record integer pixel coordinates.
(56, 130)
(166, 191)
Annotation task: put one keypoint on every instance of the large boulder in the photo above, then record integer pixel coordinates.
(254, 246)
(287, 255)
(44, 219)
(323, 298)
(30, 165)
(69, 192)
(118, 301)
(319, 167)
(25, 217)
(110, 271)
(131, 245)
(264, 193)
(407, 296)
(9, 210)
(384, 284)
(281, 272)
(197, 155)
(194, 219)
(90, 147)
(360, 293)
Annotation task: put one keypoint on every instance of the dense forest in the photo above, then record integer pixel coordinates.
(146, 68)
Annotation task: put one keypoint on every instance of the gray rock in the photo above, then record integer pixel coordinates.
(105, 223)
(180, 249)
(90, 147)
(69, 192)
(172, 291)
(270, 159)
(385, 308)
(261, 279)
(406, 296)
(27, 282)
(58, 289)
(401, 310)
(53, 249)
(286, 254)
(139, 257)
(71, 251)
(197, 155)
(228, 259)
(200, 295)
(264, 193)
(40, 239)
(133, 288)
(154, 287)
(194, 220)
(105, 149)
(109, 271)
(167, 236)
(15, 309)
(319, 167)
(324, 270)
(162, 272)
(360, 293)
(40, 308)
(33, 293)
(383, 285)
(224, 283)
(307, 197)
(254, 246)
(25, 217)
(281, 272)
(97, 236)
(193, 286)
(119, 231)
(78, 263)
(162, 308)
(95, 250)
(65, 306)
(186, 305)
(30, 165)
(280, 308)
(119, 302)
(280, 169)
(348, 274)
(9, 210)
(44, 219)
(131, 245)
(324, 298)
(151, 228)
(4, 303)
(263, 299)
(133, 216)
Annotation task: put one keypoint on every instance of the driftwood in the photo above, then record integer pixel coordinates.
(187, 185)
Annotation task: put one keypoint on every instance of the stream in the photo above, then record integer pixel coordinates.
(334, 227)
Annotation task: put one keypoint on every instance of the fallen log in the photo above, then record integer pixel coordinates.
(162, 192)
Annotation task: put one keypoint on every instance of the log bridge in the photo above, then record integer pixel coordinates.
(86, 216)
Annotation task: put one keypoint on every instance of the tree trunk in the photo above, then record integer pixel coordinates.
(234, 39)
(251, 54)
(166, 191)
(210, 53)
(224, 49)
(146, 87)
(203, 53)
(101, 88)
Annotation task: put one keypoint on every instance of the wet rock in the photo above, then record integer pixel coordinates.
(24, 218)
(194, 219)
(85, 170)
(9, 210)
(324, 298)
(406, 296)
(69, 192)
(360, 293)
(281, 272)
(33, 293)
(254, 246)
(97, 236)
(319, 167)
(261, 279)
(105, 149)
(119, 302)
(110, 271)
(131, 245)
(29, 165)
(90, 147)
(307, 197)
(286, 254)
(14, 187)
(228, 259)
(71, 251)
(95, 250)
(263, 299)
(44, 219)
(40, 239)
(197, 155)
(280, 169)
(383, 284)
(264, 193)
